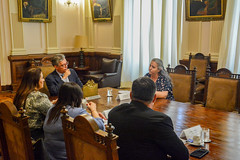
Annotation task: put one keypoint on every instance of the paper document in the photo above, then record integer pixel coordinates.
(123, 95)
(190, 132)
(105, 112)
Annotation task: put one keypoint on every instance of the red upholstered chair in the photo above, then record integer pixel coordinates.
(85, 141)
(183, 83)
(222, 90)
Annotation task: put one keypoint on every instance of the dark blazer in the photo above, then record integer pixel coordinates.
(54, 81)
(145, 134)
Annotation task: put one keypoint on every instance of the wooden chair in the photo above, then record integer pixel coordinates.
(201, 63)
(14, 133)
(47, 68)
(183, 83)
(85, 141)
(222, 90)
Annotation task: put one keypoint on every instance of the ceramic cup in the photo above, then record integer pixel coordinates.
(196, 140)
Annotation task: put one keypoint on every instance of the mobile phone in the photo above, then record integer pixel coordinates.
(199, 153)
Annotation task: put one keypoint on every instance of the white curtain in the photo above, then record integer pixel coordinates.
(229, 54)
(152, 28)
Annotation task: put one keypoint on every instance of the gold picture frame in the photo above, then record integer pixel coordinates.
(35, 10)
(101, 10)
(205, 10)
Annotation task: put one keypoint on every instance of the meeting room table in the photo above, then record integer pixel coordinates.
(224, 126)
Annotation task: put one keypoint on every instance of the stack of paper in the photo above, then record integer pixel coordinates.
(123, 95)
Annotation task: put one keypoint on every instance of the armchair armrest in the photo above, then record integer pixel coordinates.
(109, 74)
(201, 79)
(94, 72)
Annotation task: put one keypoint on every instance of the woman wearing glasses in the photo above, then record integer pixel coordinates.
(60, 75)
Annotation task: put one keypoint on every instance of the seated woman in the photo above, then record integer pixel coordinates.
(34, 102)
(161, 78)
(70, 95)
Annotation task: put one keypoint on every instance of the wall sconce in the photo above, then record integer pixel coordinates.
(69, 2)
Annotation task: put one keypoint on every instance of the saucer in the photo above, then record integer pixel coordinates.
(208, 141)
(197, 145)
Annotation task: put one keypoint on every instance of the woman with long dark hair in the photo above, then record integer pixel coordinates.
(70, 95)
(32, 100)
(161, 78)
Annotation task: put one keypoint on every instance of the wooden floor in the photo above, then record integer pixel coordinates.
(6, 96)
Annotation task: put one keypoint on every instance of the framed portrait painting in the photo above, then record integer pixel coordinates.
(35, 10)
(205, 10)
(101, 10)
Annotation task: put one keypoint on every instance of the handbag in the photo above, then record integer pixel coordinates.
(90, 89)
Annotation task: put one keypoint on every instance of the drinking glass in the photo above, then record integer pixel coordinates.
(206, 132)
(109, 92)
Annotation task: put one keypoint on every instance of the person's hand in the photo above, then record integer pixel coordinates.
(102, 116)
(66, 74)
(92, 106)
(54, 101)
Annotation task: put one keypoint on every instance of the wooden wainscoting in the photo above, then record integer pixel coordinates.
(20, 63)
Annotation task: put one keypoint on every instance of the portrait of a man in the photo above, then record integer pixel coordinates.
(205, 9)
(34, 10)
(101, 9)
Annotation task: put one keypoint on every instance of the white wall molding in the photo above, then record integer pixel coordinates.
(18, 51)
(52, 50)
(116, 50)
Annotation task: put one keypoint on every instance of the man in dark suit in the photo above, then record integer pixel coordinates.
(145, 134)
(60, 75)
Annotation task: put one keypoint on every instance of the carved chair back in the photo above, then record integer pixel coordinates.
(201, 63)
(14, 133)
(47, 68)
(183, 83)
(84, 140)
(222, 90)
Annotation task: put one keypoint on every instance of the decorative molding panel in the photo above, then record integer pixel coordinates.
(18, 51)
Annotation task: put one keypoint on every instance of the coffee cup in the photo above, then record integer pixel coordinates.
(196, 140)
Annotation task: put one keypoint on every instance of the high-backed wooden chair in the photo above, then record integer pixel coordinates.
(183, 83)
(85, 141)
(222, 90)
(47, 68)
(202, 64)
(14, 133)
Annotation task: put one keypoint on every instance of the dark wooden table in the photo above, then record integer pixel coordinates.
(224, 126)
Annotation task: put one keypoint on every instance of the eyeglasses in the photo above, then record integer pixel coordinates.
(64, 65)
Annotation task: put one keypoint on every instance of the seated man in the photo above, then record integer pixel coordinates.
(60, 75)
(144, 133)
